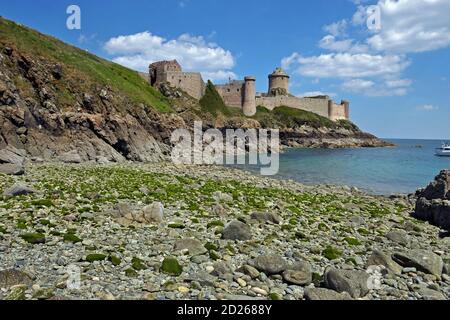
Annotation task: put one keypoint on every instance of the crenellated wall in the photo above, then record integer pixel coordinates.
(316, 105)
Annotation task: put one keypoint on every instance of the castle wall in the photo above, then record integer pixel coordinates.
(319, 106)
(249, 106)
(190, 82)
(232, 93)
(278, 82)
(338, 111)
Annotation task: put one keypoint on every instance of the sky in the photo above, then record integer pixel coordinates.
(389, 58)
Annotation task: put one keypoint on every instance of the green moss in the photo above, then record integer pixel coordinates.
(171, 266)
(216, 223)
(275, 296)
(176, 225)
(115, 260)
(352, 241)
(211, 246)
(21, 224)
(70, 237)
(33, 238)
(130, 272)
(214, 255)
(3, 229)
(323, 227)
(138, 264)
(42, 203)
(96, 257)
(363, 231)
(332, 253)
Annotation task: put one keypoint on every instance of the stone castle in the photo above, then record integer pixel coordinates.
(242, 93)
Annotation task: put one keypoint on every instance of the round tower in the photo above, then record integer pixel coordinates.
(249, 105)
(278, 83)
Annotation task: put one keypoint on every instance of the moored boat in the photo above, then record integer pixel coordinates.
(443, 151)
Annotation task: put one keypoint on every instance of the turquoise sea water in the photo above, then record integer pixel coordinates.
(403, 169)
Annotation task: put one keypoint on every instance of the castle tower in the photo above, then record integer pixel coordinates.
(278, 83)
(249, 105)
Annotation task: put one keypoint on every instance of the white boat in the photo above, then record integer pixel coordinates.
(443, 151)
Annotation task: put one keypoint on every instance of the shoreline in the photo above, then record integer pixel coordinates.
(160, 231)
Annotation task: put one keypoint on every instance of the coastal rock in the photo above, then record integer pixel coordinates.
(266, 217)
(12, 277)
(70, 157)
(270, 264)
(353, 282)
(398, 236)
(379, 258)
(194, 246)
(11, 169)
(19, 189)
(154, 213)
(236, 230)
(422, 260)
(12, 155)
(325, 294)
(299, 274)
(433, 204)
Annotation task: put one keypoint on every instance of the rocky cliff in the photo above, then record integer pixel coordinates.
(60, 102)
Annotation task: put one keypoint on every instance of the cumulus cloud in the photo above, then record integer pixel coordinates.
(412, 26)
(194, 53)
(346, 65)
(378, 57)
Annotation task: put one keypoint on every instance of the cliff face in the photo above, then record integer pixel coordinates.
(57, 101)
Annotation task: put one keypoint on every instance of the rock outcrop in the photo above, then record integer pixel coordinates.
(433, 202)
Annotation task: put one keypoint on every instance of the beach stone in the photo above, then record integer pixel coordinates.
(153, 212)
(420, 259)
(325, 294)
(379, 258)
(11, 169)
(353, 282)
(398, 236)
(266, 217)
(270, 264)
(13, 155)
(236, 230)
(70, 157)
(430, 294)
(299, 274)
(194, 246)
(19, 189)
(252, 272)
(13, 277)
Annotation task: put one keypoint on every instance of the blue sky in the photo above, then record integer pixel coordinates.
(397, 77)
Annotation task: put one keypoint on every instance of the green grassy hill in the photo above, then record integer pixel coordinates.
(82, 70)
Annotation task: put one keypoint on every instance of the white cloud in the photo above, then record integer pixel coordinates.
(137, 51)
(346, 65)
(329, 42)
(357, 85)
(412, 26)
(427, 107)
(337, 28)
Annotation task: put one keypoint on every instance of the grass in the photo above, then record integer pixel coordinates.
(212, 102)
(81, 69)
(283, 116)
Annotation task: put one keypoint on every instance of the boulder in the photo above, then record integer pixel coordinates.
(433, 204)
(266, 217)
(299, 273)
(422, 260)
(379, 258)
(194, 246)
(70, 157)
(154, 212)
(270, 264)
(13, 277)
(11, 169)
(236, 230)
(19, 189)
(353, 282)
(325, 294)
(399, 236)
(12, 155)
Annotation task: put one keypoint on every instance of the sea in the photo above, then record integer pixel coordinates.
(403, 169)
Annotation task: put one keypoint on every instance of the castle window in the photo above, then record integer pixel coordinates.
(237, 90)
(228, 90)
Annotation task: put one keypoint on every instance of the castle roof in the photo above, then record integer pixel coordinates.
(279, 72)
